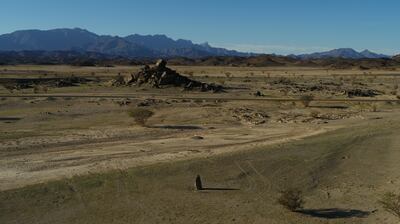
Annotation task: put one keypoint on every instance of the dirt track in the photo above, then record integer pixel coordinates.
(47, 158)
(194, 97)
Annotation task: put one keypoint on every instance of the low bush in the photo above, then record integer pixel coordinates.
(291, 199)
(391, 203)
(140, 115)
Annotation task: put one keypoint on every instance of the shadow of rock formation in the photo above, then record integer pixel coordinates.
(334, 213)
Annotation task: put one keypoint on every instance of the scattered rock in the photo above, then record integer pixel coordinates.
(125, 102)
(361, 93)
(150, 102)
(26, 83)
(332, 116)
(250, 116)
(66, 82)
(313, 117)
(286, 86)
(118, 81)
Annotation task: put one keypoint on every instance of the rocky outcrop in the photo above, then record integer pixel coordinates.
(160, 75)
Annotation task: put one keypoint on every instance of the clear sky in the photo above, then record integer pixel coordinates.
(270, 26)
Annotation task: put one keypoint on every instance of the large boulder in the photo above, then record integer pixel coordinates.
(161, 64)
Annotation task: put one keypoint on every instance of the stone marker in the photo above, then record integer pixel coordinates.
(198, 183)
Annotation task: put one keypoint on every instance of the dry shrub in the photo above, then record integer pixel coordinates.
(306, 100)
(291, 199)
(374, 107)
(36, 89)
(10, 88)
(391, 203)
(50, 98)
(140, 115)
(40, 88)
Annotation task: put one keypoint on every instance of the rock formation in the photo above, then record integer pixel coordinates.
(160, 75)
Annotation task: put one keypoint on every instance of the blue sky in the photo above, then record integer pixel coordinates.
(270, 26)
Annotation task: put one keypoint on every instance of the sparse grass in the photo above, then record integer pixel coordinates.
(291, 199)
(391, 203)
(140, 115)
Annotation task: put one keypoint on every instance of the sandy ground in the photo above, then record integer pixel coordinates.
(342, 172)
(44, 159)
(66, 159)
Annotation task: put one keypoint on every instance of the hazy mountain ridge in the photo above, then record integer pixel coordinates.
(139, 46)
(347, 53)
(130, 46)
(51, 40)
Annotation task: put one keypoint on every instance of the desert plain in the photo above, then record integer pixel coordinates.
(70, 152)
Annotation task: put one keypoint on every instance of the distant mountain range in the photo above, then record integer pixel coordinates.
(347, 53)
(138, 46)
(134, 46)
(97, 59)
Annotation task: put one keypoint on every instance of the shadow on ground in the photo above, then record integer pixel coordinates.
(335, 213)
(219, 189)
(330, 106)
(10, 118)
(180, 127)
